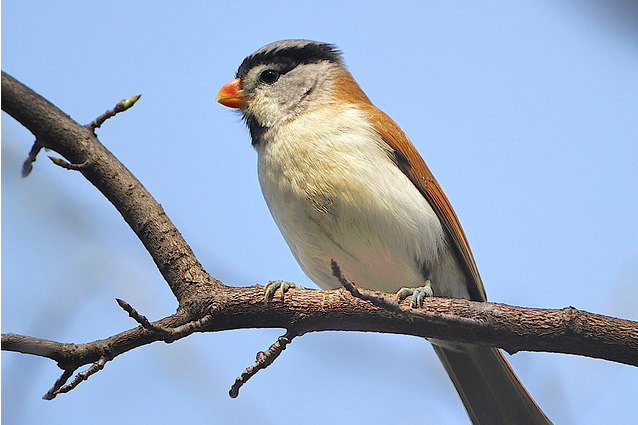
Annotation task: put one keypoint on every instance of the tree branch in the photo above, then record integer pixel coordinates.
(55, 130)
(206, 305)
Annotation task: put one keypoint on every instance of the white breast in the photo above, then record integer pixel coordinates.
(335, 193)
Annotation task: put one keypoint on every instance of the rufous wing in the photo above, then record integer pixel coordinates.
(414, 167)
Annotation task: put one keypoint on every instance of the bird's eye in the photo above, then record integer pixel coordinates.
(269, 76)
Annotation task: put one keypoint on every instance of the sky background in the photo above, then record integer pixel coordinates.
(526, 112)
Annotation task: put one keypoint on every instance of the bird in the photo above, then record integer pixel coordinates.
(343, 182)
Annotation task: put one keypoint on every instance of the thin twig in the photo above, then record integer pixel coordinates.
(67, 165)
(263, 360)
(186, 329)
(121, 106)
(80, 377)
(50, 395)
(168, 334)
(27, 165)
(376, 298)
(142, 320)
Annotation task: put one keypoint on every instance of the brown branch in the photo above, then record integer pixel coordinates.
(205, 305)
(263, 360)
(59, 383)
(78, 144)
(168, 334)
(58, 388)
(568, 330)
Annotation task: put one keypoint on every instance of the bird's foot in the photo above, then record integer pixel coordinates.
(417, 294)
(273, 285)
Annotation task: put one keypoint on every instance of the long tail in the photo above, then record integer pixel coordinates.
(490, 390)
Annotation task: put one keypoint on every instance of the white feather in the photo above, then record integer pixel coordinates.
(335, 193)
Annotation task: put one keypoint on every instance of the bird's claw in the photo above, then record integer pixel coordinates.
(273, 285)
(417, 295)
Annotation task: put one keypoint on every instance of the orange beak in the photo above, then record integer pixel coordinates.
(231, 95)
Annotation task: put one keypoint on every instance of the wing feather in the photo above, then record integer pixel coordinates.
(414, 167)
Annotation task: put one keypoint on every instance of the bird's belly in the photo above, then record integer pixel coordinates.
(335, 193)
(381, 231)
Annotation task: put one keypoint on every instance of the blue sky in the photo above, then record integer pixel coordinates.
(526, 112)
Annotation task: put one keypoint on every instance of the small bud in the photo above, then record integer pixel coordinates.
(127, 103)
(60, 162)
(123, 304)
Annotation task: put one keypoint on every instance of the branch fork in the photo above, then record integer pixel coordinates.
(168, 334)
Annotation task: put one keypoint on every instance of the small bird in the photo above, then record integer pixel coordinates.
(342, 181)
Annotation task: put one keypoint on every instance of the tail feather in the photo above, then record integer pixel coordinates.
(490, 390)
